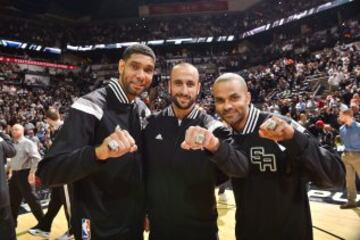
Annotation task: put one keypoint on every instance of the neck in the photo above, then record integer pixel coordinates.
(349, 122)
(181, 113)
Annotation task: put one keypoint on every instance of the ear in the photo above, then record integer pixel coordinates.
(248, 96)
(199, 88)
(121, 66)
(169, 87)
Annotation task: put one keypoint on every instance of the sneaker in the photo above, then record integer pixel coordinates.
(66, 236)
(39, 232)
(222, 197)
(348, 205)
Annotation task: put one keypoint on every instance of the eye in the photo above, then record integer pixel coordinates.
(219, 100)
(178, 83)
(190, 84)
(134, 66)
(235, 98)
(149, 70)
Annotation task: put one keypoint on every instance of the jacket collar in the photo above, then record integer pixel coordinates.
(169, 111)
(118, 91)
(252, 120)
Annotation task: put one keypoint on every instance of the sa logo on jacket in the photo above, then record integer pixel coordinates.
(263, 160)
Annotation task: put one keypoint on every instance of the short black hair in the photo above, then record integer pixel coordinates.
(140, 49)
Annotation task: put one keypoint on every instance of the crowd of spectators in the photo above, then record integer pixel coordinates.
(292, 77)
(149, 28)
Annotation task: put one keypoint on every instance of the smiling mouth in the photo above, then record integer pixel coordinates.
(138, 86)
(229, 114)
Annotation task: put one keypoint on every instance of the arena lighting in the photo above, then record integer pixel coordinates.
(173, 41)
(29, 46)
(294, 17)
(180, 41)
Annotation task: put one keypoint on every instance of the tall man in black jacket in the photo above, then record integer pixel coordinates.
(101, 160)
(272, 200)
(180, 184)
(7, 225)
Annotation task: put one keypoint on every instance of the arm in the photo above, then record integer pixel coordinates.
(34, 156)
(8, 148)
(220, 144)
(72, 156)
(227, 157)
(322, 166)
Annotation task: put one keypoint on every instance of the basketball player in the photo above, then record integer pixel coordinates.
(98, 150)
(180, 184)
(272, 200)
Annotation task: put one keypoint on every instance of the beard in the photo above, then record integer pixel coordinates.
(179, 105)
(129, 90)
(234, 120)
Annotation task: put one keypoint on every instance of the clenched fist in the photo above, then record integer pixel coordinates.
(276, 129)
(200, 138)
(116, 144)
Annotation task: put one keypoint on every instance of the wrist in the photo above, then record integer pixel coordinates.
(214, 145)
(100, 153)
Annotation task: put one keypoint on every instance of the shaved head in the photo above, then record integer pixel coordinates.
(189, 67)
(17, 131)
(18, 126)
(232, 77)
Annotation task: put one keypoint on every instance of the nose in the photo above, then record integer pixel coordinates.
(227, 106)
(184, 89)
(140, 74)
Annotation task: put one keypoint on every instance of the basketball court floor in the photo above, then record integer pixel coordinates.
(329, 222)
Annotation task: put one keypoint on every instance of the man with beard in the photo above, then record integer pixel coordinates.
(272, 200)
(180, 183)
(98, 150)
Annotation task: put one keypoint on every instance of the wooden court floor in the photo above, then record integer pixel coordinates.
(330, 223)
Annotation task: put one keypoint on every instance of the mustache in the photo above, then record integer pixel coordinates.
(182, 95)
(227, 111)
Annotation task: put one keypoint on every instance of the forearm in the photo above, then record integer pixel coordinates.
(230, 160)
(64, 168)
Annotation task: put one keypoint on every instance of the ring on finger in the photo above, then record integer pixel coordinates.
(199, 138)
(271, 124)
(113, 145)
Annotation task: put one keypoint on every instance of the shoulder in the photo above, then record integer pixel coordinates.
(27, 142)
(92, 103)
(155, 116)
(211, 123)
(144, 111)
